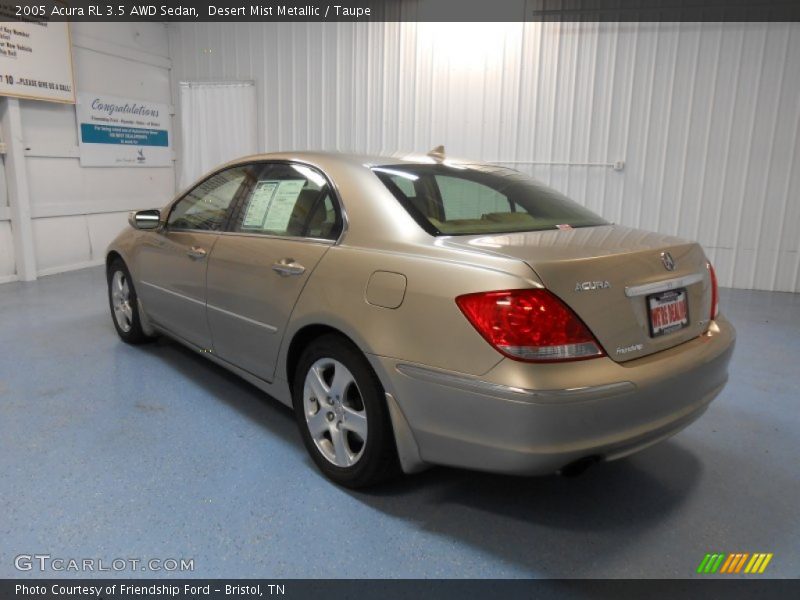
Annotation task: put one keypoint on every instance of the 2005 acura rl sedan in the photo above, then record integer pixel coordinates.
(420, 310)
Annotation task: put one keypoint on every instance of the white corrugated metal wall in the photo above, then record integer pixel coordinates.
(704, 115)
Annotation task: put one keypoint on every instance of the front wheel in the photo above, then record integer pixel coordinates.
(124, 304)
(341, 412)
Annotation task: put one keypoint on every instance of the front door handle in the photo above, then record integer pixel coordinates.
(287, 267)
(197, 253)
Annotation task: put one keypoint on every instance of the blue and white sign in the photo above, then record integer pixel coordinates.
(121, 132)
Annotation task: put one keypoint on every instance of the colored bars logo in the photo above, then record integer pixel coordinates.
(741, 562)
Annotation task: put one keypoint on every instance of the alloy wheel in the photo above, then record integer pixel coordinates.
(121, 301)
(335, 413)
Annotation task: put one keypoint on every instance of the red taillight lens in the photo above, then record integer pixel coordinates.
(531, 325)
(714, 291)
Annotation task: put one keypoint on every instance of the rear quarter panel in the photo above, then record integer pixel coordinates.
(428, 327)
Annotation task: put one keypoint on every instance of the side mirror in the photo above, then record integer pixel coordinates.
(145, 219)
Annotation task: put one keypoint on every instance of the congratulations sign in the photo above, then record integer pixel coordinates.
(120, 132)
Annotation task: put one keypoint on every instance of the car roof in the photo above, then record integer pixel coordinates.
(329, 158)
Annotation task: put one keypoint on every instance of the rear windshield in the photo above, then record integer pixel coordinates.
(480, 199)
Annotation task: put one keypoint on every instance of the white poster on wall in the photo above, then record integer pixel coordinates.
(35, 57)
(121, 132)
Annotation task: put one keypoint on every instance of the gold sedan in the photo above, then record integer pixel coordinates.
(417, 311)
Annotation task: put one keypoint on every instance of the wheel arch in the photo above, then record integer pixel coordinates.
(302, 338)
(111, 257)
(405, 442)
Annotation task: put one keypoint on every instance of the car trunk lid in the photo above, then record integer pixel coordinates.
(608, 274)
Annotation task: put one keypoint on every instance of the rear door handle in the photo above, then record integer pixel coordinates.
(288, 267)
(197, 253)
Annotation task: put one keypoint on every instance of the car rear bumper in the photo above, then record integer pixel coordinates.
(532, 418)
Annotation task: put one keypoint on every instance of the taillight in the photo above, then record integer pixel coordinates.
(531, 325)
(714, 291)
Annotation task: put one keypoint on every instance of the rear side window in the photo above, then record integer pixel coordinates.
(480, 199)
(288, 200)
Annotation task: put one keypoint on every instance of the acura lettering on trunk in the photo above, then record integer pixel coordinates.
(592, 285)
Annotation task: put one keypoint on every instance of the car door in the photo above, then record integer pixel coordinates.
(278, 232)
(173, 259)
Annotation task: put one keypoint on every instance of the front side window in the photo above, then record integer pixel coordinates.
(480, 199)
(205, 207)
(288, 200)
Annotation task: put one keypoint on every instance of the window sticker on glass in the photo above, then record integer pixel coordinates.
(259, 203)
(282, 205)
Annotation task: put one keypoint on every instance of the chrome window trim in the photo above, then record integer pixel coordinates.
(165, 229)
(292, 238)
(663, 286)
(515, 394)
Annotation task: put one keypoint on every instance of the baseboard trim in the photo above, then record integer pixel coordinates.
(73, 267)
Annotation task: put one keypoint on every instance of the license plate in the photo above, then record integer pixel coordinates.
(669, 311)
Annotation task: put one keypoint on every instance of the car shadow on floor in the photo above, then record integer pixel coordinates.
(549, 525)
(228, 387)
(538, 523)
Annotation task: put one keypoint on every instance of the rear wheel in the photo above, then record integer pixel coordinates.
(341, 412)
(124, 304)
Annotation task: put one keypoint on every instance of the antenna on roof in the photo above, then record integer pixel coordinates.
(437, 153)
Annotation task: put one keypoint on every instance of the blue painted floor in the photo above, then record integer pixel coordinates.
(110, 451)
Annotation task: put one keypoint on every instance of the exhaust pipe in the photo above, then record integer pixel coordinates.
(578, 467)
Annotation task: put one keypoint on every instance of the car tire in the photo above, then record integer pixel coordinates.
(124, 305)
(347, 431)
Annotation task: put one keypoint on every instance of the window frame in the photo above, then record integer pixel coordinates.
(338, 207)
(228, 211)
